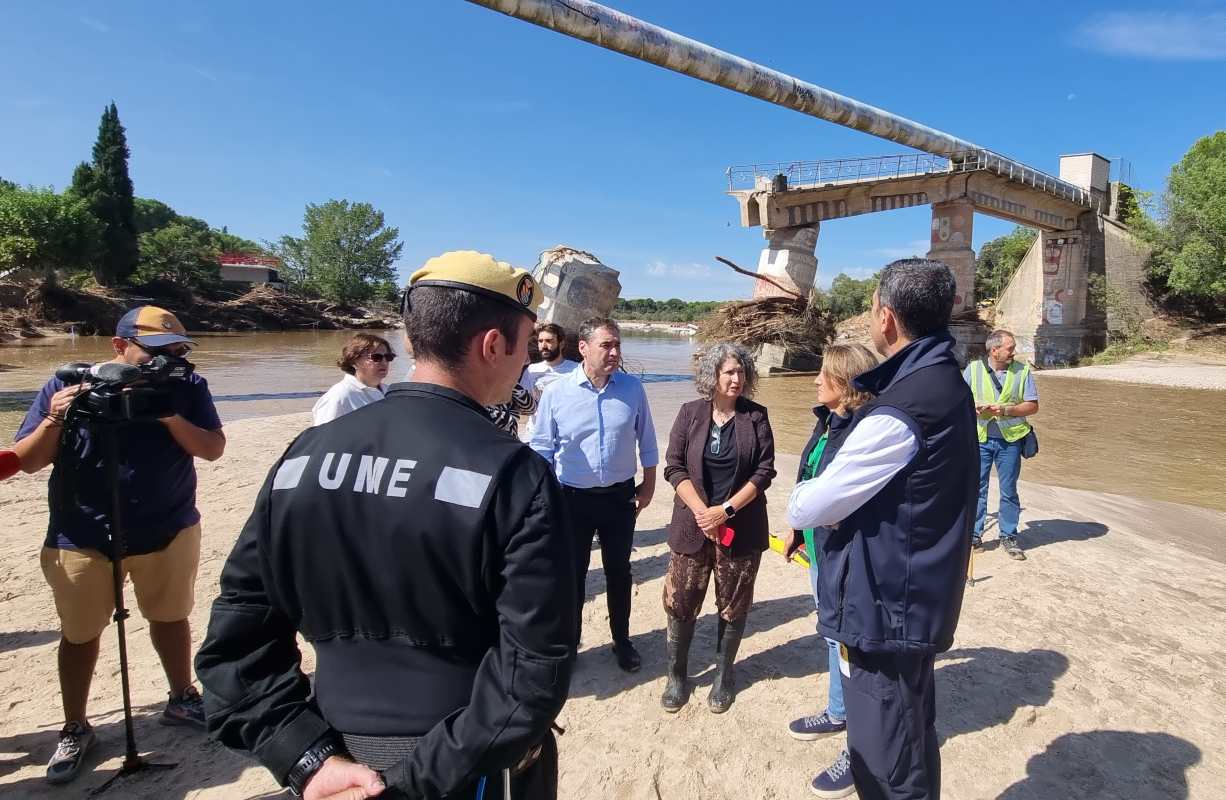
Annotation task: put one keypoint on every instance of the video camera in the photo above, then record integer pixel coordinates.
(126, 392)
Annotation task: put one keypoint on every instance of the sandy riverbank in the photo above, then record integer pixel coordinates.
(1091, 670)
(1163, 369)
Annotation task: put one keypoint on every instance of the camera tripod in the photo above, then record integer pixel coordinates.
(107, 434)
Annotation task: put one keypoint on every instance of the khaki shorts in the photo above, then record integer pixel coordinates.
(84, 591)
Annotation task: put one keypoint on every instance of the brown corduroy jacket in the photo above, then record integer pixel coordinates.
(755, 463)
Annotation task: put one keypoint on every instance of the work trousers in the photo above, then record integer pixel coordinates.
(610, 512)
(1007, 456)
(891, 726)
(685, 584)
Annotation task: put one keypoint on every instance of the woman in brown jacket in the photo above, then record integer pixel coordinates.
(720, 460)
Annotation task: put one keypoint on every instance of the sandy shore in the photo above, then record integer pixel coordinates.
(1092, 670)
(1163, 369)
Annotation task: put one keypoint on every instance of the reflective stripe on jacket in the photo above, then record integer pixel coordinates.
(1010, 394)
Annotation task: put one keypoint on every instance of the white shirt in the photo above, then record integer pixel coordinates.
(541, 374)
(875, 450)
(347, 394)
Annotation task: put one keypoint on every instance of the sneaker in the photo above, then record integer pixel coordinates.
(627, 657)
(1013, 549)
(977, 544)
(186, 709)
(836, 781)
(807, 729)
(76, 739)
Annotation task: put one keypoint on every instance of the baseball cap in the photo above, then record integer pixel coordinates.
(482, 274)
(152, 326)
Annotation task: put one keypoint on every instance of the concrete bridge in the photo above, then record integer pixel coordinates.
(1047, 304)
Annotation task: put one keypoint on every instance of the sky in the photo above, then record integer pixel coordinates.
(473, 130)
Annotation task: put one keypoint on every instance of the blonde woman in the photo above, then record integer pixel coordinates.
(837, 399)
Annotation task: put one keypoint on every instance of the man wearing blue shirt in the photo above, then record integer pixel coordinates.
(158, 489)
(588, 426)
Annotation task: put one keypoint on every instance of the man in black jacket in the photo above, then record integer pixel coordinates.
(902, 493)
(420, 550)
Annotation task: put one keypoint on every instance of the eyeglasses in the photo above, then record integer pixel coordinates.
(379, 358)
(174, 350)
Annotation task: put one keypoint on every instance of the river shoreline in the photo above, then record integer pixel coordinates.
(1092, 668)
(1181, 370)
(41, 310)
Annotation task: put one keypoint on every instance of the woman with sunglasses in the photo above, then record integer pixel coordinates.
(365, 360)
(720, 461)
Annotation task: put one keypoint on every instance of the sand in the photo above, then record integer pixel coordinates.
(1163, 369)
(1092, 670)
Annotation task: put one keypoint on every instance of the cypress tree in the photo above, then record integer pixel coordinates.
(107, 186)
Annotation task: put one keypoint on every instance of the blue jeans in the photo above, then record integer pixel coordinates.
(834, 699)
(1007, 456)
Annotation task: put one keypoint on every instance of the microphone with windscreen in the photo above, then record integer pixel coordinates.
(106, 372)
(10, 464)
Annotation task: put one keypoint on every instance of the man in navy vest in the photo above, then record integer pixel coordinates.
(901, 496)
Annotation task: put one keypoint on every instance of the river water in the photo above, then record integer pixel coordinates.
(1151, 442)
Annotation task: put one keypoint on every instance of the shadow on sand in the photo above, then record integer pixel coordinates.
(1108, 764)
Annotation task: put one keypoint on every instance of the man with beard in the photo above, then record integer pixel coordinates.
(550, 340)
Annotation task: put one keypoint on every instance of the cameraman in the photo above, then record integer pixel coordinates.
(158, 489)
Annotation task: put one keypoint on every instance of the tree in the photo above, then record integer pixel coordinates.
(999, 259)
(107, 187)
(1189, 243)
(849, 297)
(229, 243)
(180, 253)
(150, 215)
(346, 254)
(45, 231)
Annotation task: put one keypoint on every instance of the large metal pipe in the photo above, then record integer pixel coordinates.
(613, 30)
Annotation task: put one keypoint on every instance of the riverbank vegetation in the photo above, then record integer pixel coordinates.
(671, 310)
(1186, 229)
(76, 256)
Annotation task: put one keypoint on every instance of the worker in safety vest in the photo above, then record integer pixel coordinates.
(1005, 395)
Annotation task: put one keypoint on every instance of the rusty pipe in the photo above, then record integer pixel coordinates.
(622, 33)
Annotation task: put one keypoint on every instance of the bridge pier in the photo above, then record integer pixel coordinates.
(789, 259)
(952, 225)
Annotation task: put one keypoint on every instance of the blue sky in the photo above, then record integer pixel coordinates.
(474, 130)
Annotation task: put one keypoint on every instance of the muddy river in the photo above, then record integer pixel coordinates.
(1145, 441)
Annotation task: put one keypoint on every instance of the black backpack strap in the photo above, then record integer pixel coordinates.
(992, 374)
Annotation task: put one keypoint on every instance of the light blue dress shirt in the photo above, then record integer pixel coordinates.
(589, 435)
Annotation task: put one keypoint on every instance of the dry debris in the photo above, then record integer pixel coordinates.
(785, 321)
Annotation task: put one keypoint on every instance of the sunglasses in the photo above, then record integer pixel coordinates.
(379, 358)
(174, 350)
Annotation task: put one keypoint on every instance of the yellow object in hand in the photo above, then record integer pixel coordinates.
(800, 557)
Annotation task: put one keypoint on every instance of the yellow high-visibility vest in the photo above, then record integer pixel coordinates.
(1010, 394)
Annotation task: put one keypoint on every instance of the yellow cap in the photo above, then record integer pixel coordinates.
(482, 274)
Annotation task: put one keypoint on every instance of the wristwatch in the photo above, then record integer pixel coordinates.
(310, 762)
(729, 510)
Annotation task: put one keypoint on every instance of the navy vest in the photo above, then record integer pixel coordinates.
(893, 573)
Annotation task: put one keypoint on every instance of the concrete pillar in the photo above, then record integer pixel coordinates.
(790, 259)
(952, 223)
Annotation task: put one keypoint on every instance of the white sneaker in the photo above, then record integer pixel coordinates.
(76, 739)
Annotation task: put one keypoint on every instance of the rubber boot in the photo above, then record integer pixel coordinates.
(723, 688)
(677, 649)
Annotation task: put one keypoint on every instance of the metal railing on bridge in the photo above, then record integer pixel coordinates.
(832, 172)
